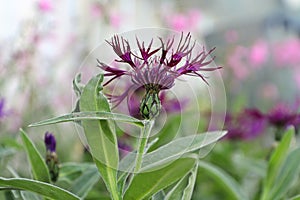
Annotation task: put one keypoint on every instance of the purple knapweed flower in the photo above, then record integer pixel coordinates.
(283, 115)
(50, 142)
(155, 69)
(248, 124)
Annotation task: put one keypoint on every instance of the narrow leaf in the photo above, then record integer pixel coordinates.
(85, 182)
(178, 147)
(172, 150)
(89, 115)
(188, 191)
(287, 175)
(231, 187)
(144, 185)
(100, 134)
(276, 160)
(38, 187)
(177, 191)
(38, 165)
(26, 195)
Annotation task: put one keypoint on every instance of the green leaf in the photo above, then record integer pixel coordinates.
(159, 196)
(177, 191)
(100, 134)
(172, 150)
(188, 191)
(183, 190)
(70, 171)
(26, 195)
(276, 161)
(287, 175)
(178, 147)
(295, 198)
(38, 187)
(89, 115)
(38, 165)
(145, 184)
(168, 133)
(85, 182)
(230, 185)
(77, 85)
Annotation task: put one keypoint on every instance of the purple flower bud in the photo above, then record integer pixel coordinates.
(50, 142)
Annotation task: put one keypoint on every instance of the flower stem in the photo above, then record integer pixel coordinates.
(142, 144)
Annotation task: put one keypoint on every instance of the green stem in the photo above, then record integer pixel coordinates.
(142, 144)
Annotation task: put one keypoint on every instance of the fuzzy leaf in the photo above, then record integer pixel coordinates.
(100, 134)
(287, 175)
(145, 184)
(89, 115)
(276, 161)
(172, 150)
(38, 187)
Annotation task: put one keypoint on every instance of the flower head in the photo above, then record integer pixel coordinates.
(248, 124)
(50, 142)
(155, 69)
(283, 115)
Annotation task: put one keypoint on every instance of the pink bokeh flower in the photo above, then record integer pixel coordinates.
(237, 61)
(287, 53)
(96, 10)
(184, 21)
(258, 53)
(45, 5)
(115, 19)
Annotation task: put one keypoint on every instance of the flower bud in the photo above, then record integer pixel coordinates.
(51, 156)
(150, 104)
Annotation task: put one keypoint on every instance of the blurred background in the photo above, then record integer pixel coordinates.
(43, 44)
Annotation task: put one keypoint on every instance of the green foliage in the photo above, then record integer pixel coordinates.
(145, 184)
(286, 176)
(38, 165)
(100, 134)
(184, 189)
(84, 183)
(276, 162)
(167, 164)
(90, 115)
(230, 186)
(41, 188)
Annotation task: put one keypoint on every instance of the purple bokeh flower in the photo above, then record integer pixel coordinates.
(246, 125)
(2, 111)
(283, 115)
(50, 142)
(155, 69)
